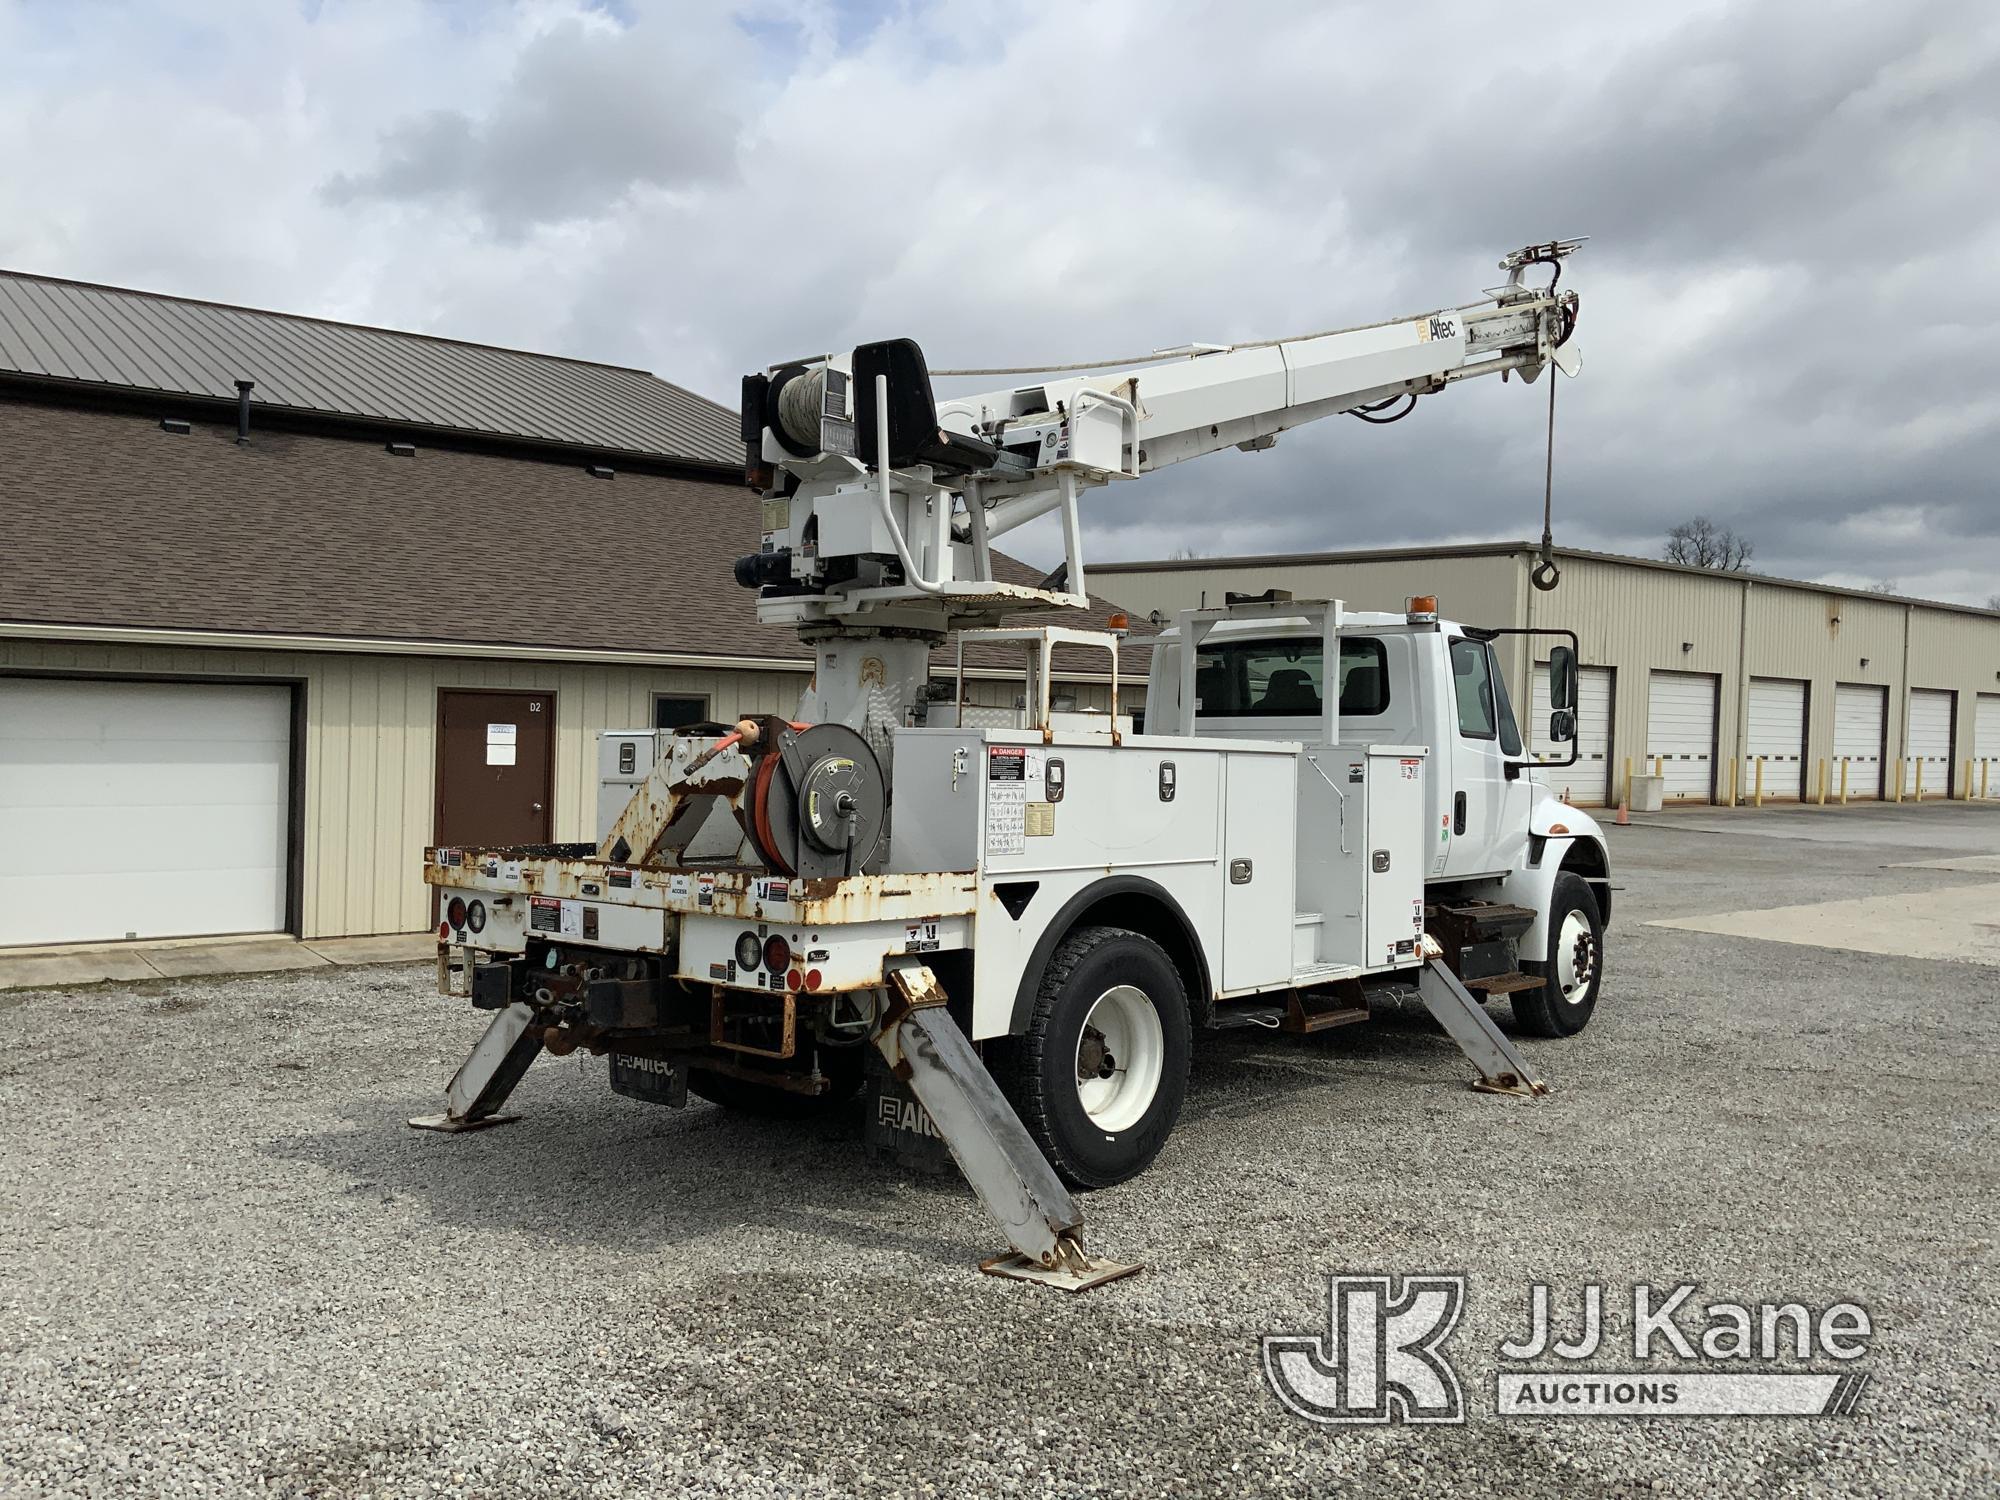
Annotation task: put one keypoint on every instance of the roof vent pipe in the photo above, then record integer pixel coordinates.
(243, 390)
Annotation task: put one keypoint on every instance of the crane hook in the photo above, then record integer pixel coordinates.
(1545, 574)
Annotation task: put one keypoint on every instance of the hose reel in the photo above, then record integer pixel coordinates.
(818, 802)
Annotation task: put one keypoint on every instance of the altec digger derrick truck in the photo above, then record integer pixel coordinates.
(1028, 916)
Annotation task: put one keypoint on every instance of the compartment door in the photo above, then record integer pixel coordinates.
(1259, 870)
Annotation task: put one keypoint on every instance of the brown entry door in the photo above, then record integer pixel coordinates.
(495, 751)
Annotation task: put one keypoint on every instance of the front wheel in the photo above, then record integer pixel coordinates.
(1562, 1004)
(1099, 1076)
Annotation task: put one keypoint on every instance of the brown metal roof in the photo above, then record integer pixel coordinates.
(111, 521)
(111, 338)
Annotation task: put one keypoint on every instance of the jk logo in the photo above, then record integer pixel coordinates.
(1378, 1361)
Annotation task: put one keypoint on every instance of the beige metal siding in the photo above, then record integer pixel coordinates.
(1478, 590)
(1641, 619)
(371, 749)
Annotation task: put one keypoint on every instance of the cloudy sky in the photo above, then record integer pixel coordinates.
(1791, 316)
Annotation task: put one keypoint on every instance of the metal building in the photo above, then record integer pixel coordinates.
(286, 600)
(1714, 678)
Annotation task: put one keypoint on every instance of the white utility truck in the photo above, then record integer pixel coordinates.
(1014, 924)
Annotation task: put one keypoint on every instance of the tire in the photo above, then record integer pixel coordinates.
(771, 1103)
(1108, 1127)
(1573, 971)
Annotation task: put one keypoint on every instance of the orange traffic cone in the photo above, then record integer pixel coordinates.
(1622, 820)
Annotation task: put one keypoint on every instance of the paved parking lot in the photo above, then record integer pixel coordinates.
(226, 1267)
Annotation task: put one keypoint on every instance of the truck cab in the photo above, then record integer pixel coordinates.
(1415, 678)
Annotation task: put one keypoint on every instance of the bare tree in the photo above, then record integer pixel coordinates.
(1184, 554)
(1993, 601)
(1883, 586)
(1700, 543)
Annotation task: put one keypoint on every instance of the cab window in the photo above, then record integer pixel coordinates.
(1285, 679)
(1472, 684)
(1510, 732)
(1484, 711)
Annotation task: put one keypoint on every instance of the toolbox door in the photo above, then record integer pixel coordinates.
(1259, 870)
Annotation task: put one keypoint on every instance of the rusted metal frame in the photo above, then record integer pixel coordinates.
(828, 902)
(789, 1024)
(1341, 1003)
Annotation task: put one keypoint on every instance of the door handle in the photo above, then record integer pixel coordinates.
(1239, 872)
(1458, 813)
(538, 806)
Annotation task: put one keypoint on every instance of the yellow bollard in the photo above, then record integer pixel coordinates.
(1965, 786)
(1917, 763)
(1760, 781)
(1843, 781)
(1896, 765)
(1628, 781)
(1659, 765)
(1984, 767)
(1821, 780)
(1731, 801)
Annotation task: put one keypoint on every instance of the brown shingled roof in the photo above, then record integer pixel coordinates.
(108, 520)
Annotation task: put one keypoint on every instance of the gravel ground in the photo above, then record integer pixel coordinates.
(227, 1268)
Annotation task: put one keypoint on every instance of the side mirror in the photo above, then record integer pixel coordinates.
(1562, 678)
(1562, 726)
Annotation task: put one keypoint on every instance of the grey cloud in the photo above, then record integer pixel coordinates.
(1790, 310)
(587, 116)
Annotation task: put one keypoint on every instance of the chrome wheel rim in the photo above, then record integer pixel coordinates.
(1120, 1056)
(1576, 957)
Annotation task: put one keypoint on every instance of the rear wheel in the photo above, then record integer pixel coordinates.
(1101, 1072)
(1573, 969)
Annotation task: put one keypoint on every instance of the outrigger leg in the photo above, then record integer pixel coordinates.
(490, 1071)
(1015, 1182)
(1502, 1069)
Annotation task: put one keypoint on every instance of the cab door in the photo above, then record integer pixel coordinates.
(1485, 811)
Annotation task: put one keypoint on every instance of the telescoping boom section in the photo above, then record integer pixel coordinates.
(1008, 924)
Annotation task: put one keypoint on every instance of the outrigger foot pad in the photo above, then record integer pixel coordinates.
(457, 1122)
(1067, 1268)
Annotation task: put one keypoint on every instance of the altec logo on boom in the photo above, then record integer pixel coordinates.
(1381, 1358)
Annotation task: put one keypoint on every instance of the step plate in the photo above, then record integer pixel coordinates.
(1505, 984)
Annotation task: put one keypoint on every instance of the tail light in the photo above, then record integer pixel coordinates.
(455, 913)
(777, 953)
(814, 979)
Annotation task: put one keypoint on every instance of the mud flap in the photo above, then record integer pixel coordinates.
(487, 1076)
(1019, 1189)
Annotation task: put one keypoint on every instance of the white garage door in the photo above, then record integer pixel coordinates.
(1588, 782)
(141, 809)
(1929, 744)
(1986, 745)
(1777, 736)
(1680, 732)
(1858, 715)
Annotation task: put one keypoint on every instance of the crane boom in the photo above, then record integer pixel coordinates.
(882, 500)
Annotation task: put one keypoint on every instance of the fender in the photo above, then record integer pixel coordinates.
(1202, 992)
(1555, 827)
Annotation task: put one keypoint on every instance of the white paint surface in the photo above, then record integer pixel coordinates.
(148, 810)
(1680, 733)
